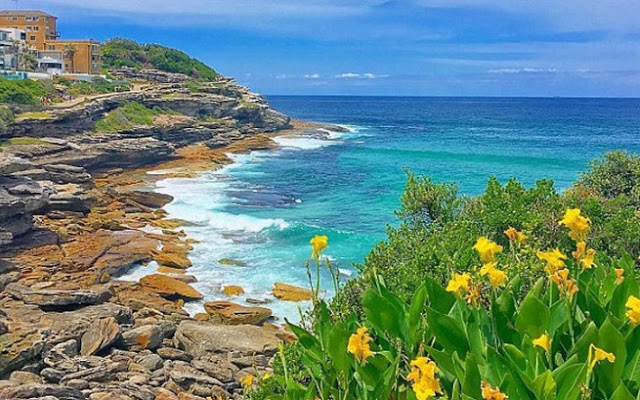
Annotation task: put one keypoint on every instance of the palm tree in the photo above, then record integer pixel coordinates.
(28, 62)
(69, 52)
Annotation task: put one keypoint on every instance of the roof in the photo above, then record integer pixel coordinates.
(74, 41)
(26, 12)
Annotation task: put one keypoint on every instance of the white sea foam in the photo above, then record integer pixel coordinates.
(303, 143)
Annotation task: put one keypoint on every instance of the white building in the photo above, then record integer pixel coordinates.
(9, 38)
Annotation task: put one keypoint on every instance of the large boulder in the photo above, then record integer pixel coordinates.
(36, 391)
(60, 299)
(99, 336)
(201, 338)
(143, 337)
(229, 313)
(150, 199)
(172, 260)
(287, 292)
(169, 287)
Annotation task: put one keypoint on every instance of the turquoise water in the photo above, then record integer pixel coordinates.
(263, 209)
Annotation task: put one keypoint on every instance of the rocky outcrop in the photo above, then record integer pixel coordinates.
(169, 287)
(287, 292)
(229, 313)
(202, 338)
(59, 299)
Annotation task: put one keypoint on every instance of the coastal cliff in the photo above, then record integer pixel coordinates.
(76, 213)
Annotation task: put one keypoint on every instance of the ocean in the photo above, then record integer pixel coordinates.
(262, 210)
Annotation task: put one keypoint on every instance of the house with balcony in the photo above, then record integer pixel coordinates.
(11, 41)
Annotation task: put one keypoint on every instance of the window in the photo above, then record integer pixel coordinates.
(14, 18)
(29, 18)
(32, 38)
(36, 28)
(28, 28)
(36, 18)
(52, 47)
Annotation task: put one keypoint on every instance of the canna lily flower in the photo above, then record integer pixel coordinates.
(581, 250)
(423, 375)
(459, 282)
(633, 312)
(515, 236)
(318, 243)
(589, 259)
(578, 224)
(487, 249)
(619, 275)
(490, 393)
(596, 355)
(247, 381)
(359, 345)
(554, 259)
(473, 294)
(497, 277)
(544, 342)
(565, 285)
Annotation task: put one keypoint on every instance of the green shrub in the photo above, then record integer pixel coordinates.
(127, 53)
(129, 116)
(572, 334)
(613, 175)
(25, 91)
(97, 86)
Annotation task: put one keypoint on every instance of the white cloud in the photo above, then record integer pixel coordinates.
(312, 76)
(525, 70)
(353, 75)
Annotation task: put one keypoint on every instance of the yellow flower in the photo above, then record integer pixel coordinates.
(515, 236)
(459, 282)
(318, 243)
(554, 259)
(423, 375)
(247, 381)
(619, 275)
(544, 342)
(589, 259)
(596, 355)
(359, 345)
(565, 285)
(633, 312)
(266, 376)
(490, 393)
(496, 277)
(578, 224)
(581, 250)
(487, 249)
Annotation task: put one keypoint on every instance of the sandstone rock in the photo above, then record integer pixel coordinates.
(31, 391)
(173, 260)
(151, 362)
(144, 337)
(50, 298)
(287, 292)
(201, 338)
(79, 384)
(169, 353)
(164, 394)
(233, 290)
(25, 378)
(150, 199)
(231, 262)
(170, 287)
(10, 164)
(235, 314)
(170, 271)
(100, 335)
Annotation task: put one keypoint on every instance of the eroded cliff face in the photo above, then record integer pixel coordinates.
(54, 173)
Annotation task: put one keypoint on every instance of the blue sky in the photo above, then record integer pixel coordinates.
(371, 47)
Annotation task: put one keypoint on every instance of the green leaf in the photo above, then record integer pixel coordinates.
(309, 343)
(533, 317)
(558, 317)
(632, 370)
(385, 312)
(610, 374)
(622, 393)
(337, 347)
(581, 348)
(570, 381)
(449, 332)
(439, 299)
(545, 386)
(472, 381)
(416, 309)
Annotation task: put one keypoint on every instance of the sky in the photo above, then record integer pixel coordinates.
(568, 48)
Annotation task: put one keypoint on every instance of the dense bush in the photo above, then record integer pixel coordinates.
(512, 293)
(24, 91)
(127, 53)
(96, 86)
(129, 116)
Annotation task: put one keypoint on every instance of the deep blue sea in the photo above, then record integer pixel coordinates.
(263, 209)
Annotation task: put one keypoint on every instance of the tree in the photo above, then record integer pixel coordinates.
(69, 53)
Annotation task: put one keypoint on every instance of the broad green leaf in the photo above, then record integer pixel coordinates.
(385, 312)
(449, 333)
(439, 299)
(570, 381)
(337, 347)
(610, 374)
(545, 386)
(533, 317)
(622, 393)
(559, 315)
(472, 381)
(581, 348)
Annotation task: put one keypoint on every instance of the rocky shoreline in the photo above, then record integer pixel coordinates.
(76, 213)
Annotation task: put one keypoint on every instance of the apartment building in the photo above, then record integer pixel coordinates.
(39, 26)
(54, 54)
